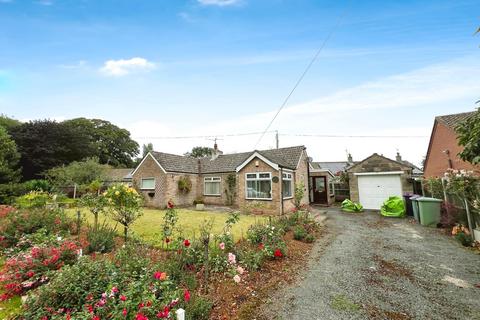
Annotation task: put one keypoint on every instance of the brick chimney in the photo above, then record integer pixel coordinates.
(216, 152)
(398, 157)
(349, 158)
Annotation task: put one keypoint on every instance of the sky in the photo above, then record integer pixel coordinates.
(203, 68)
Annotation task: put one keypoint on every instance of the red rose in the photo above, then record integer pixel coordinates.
(170, 204)
(261, 246)
(186, 295)
(278, 253)
(123, 298)
(167, 240)
(186, 243)
(124, 312)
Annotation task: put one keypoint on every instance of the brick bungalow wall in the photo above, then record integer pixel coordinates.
(173, 193)
(150, 169)
(377, 163)
(216, 200)
(265, 206)
(436, 164)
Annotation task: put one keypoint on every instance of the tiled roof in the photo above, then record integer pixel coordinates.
(176, 163)
(452, 120)
(284, 157)
(333, 167)
(115, 175)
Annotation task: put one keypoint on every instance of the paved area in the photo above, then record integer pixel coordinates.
(370, 267)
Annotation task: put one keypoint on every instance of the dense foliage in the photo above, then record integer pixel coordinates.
(81, 173)
(111, 144)
(45, 144)
(9, 158)
(468, 133)
(200, 152)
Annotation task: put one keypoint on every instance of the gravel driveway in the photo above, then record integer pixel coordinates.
(370, 267)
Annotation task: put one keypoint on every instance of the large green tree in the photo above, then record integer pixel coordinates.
(45, 144)
(112, 145)
(200, 152)
(468, 133)
(9, 157)
(7, 122)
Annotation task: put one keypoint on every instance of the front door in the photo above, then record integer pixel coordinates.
(320, 190)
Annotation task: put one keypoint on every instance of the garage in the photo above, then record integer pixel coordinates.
(374, 189)
(374, 179)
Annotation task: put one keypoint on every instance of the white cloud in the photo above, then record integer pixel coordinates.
(123, 67)
(360, 110)
(220, 3)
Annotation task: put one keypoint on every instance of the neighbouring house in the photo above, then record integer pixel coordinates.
(443, 148)
(121, 175)
(376, 178)
(261, 180)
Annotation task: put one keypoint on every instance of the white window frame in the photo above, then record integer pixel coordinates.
(257, 177)
(288, 176)
(148, 178)
(211, 180)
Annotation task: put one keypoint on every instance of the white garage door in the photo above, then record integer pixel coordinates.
(375, 189)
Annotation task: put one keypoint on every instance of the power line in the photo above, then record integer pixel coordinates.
(312, 135)
(285, 101)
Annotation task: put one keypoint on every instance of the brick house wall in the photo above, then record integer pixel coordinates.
(178, 197)
(300, 176)
(436, 164)
(265, 206)
(150, 169)
(216, 200)
(377, 163)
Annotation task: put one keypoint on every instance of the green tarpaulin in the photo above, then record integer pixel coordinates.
(393, 207)
(350, 206)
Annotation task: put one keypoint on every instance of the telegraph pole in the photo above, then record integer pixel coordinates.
(276, 137)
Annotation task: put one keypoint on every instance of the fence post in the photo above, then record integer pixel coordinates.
(469, 218)
(180, 314)
(75, 191)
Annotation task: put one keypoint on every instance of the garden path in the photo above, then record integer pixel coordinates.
(369, 267)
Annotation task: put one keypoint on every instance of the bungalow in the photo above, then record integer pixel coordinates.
(263, 179)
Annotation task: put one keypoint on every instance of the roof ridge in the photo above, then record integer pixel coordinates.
(454, 114)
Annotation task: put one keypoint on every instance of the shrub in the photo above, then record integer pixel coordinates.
(95, 203)
(184, 184)
(252, 258)
(298, 195)
(198, 309)
(465, 239)
(125, 204)
(38, 185)
(33, 199)
(29, 270)
(101, 238)
(198, 200)
(269, 237)
(309, 238)
(19, 223)
(9, 192)
(299, 233)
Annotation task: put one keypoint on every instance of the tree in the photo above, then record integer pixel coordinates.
(9, 157)
(82, 173)
(146, 148)
(468, 135)
(7, 122)
(94, 201)
(112, 144)
(125, 203)
(45, 144)
(200, 152)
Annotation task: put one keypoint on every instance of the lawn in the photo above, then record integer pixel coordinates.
(149, 226)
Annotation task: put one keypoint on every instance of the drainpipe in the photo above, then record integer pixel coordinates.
(281, 190)
(308, 182)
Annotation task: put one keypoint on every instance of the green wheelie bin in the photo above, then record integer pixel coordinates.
(429, 211)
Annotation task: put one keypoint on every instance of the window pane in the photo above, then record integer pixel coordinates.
(251, 189)
(251, 175)
(265, 188)
(287, 188)
(212, 188)
(264, 175)
(148, 184)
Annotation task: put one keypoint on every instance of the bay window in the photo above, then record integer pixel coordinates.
(259, 185)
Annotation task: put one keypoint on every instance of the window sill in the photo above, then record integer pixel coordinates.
(212, 195)
(286, 198)
(260, 199)
(144, 189)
